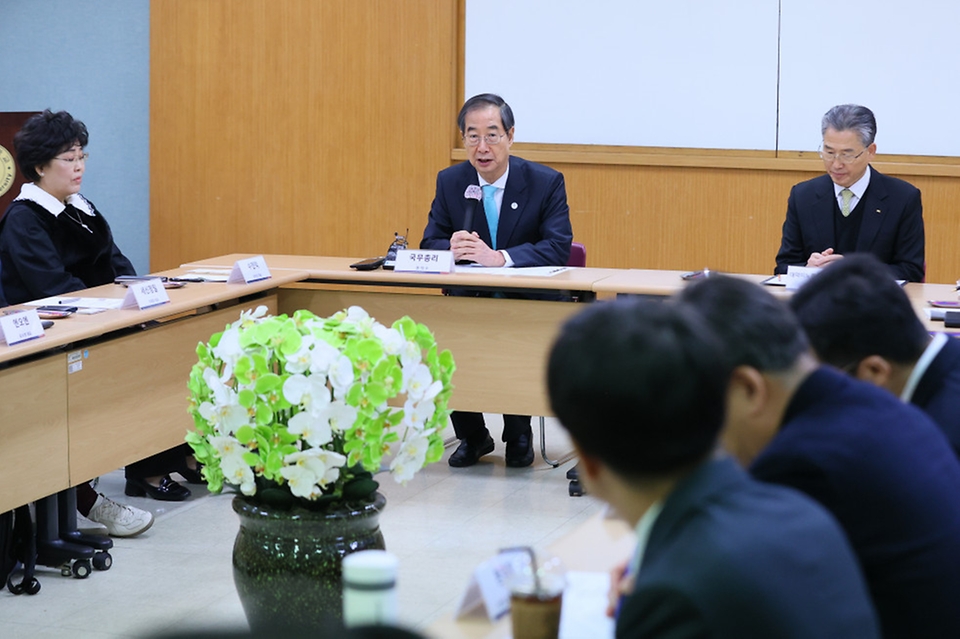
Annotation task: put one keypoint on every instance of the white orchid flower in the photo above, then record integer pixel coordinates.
(409, 459)
(228, 350)
(310, 393)
(236, 472)
(341, 376)
(323, 357)
(416, 381)
(410, 354)
(338, 416)
(315, 431)
(416, 414)
(227, 447)
(300, 361)
(356, 314)
(224, 412)
(326, 464)
(391, 338)
(302, 481)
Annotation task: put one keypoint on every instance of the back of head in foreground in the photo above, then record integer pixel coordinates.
(640, 386)
(881, 467)
(854, 309)
(757, 329)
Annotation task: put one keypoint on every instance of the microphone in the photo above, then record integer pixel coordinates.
(473, 194)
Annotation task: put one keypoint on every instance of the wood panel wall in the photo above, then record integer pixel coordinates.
(302, 126)
(318, 126)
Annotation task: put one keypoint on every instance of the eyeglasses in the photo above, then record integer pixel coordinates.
(490, 138)
(845, 158)
(77, 159)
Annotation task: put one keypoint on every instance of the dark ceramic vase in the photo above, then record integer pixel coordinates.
(287, 563)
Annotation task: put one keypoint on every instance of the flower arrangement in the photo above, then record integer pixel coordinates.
(304, 409)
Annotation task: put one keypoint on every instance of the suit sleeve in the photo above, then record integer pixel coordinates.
(556, 234)
(436, 236)
(34, 257)
(661, 613)
(908, 261)
(791, 251)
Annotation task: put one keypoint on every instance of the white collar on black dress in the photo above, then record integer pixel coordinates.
(34, 193)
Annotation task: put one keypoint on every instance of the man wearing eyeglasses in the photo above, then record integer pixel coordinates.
(853, 208)
(521, 219)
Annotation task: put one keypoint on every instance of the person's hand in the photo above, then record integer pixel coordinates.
(621, 585)
(468, 246)
(822, 259)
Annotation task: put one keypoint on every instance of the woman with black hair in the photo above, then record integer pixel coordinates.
(54, 241)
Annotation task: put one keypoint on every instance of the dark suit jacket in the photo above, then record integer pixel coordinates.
(938, 392)
(889, 476)
(731, 557)
(534, 223)
(892, 226)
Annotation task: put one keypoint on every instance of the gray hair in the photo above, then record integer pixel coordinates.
(851, 117)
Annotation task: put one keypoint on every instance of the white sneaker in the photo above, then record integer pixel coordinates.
(88, 527)
(121, 520)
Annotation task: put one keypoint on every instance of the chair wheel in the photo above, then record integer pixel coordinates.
(66, 570)
(102, 561)
(12, 586)
(32, 586)
(82, 568)
(576, 489)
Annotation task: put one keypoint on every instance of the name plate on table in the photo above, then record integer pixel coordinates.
(418, 261)
(252, 269)
(145, 294)
(20, 327)
(797, 276)
(488, 586)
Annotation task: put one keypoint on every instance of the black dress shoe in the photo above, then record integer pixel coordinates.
(520, 451)
(192, 475)
(168, 490)
(467, 454)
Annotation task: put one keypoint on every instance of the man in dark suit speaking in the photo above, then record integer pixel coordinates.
(640, 385)
(523, 220)
(854, 207)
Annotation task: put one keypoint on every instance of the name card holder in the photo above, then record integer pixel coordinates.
(141, 295)
(797, 276)
(488, 588)
(252, 269)
(419, 261)
(21, 327)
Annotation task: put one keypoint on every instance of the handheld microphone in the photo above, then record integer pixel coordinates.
(473, 194)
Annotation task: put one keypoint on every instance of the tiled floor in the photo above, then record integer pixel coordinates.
(178, 575)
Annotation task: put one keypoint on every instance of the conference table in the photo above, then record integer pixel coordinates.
(97, 392)
(100, 391)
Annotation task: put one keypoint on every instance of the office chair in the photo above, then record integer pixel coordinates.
(578, 258)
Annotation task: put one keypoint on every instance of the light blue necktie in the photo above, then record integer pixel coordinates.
(490, 208)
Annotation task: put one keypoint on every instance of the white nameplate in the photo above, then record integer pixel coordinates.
(797, 276)
(424, 261)
(488, 586)
(252, 269)
(20, 327)
(145, 294)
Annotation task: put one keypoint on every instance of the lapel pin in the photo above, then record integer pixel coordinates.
(514, 206)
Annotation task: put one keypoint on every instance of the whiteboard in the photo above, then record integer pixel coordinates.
(749, 74)
(901, 59)
(680, 73)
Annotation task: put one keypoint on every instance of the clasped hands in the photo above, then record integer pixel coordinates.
(468, 246)
(824, 258)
